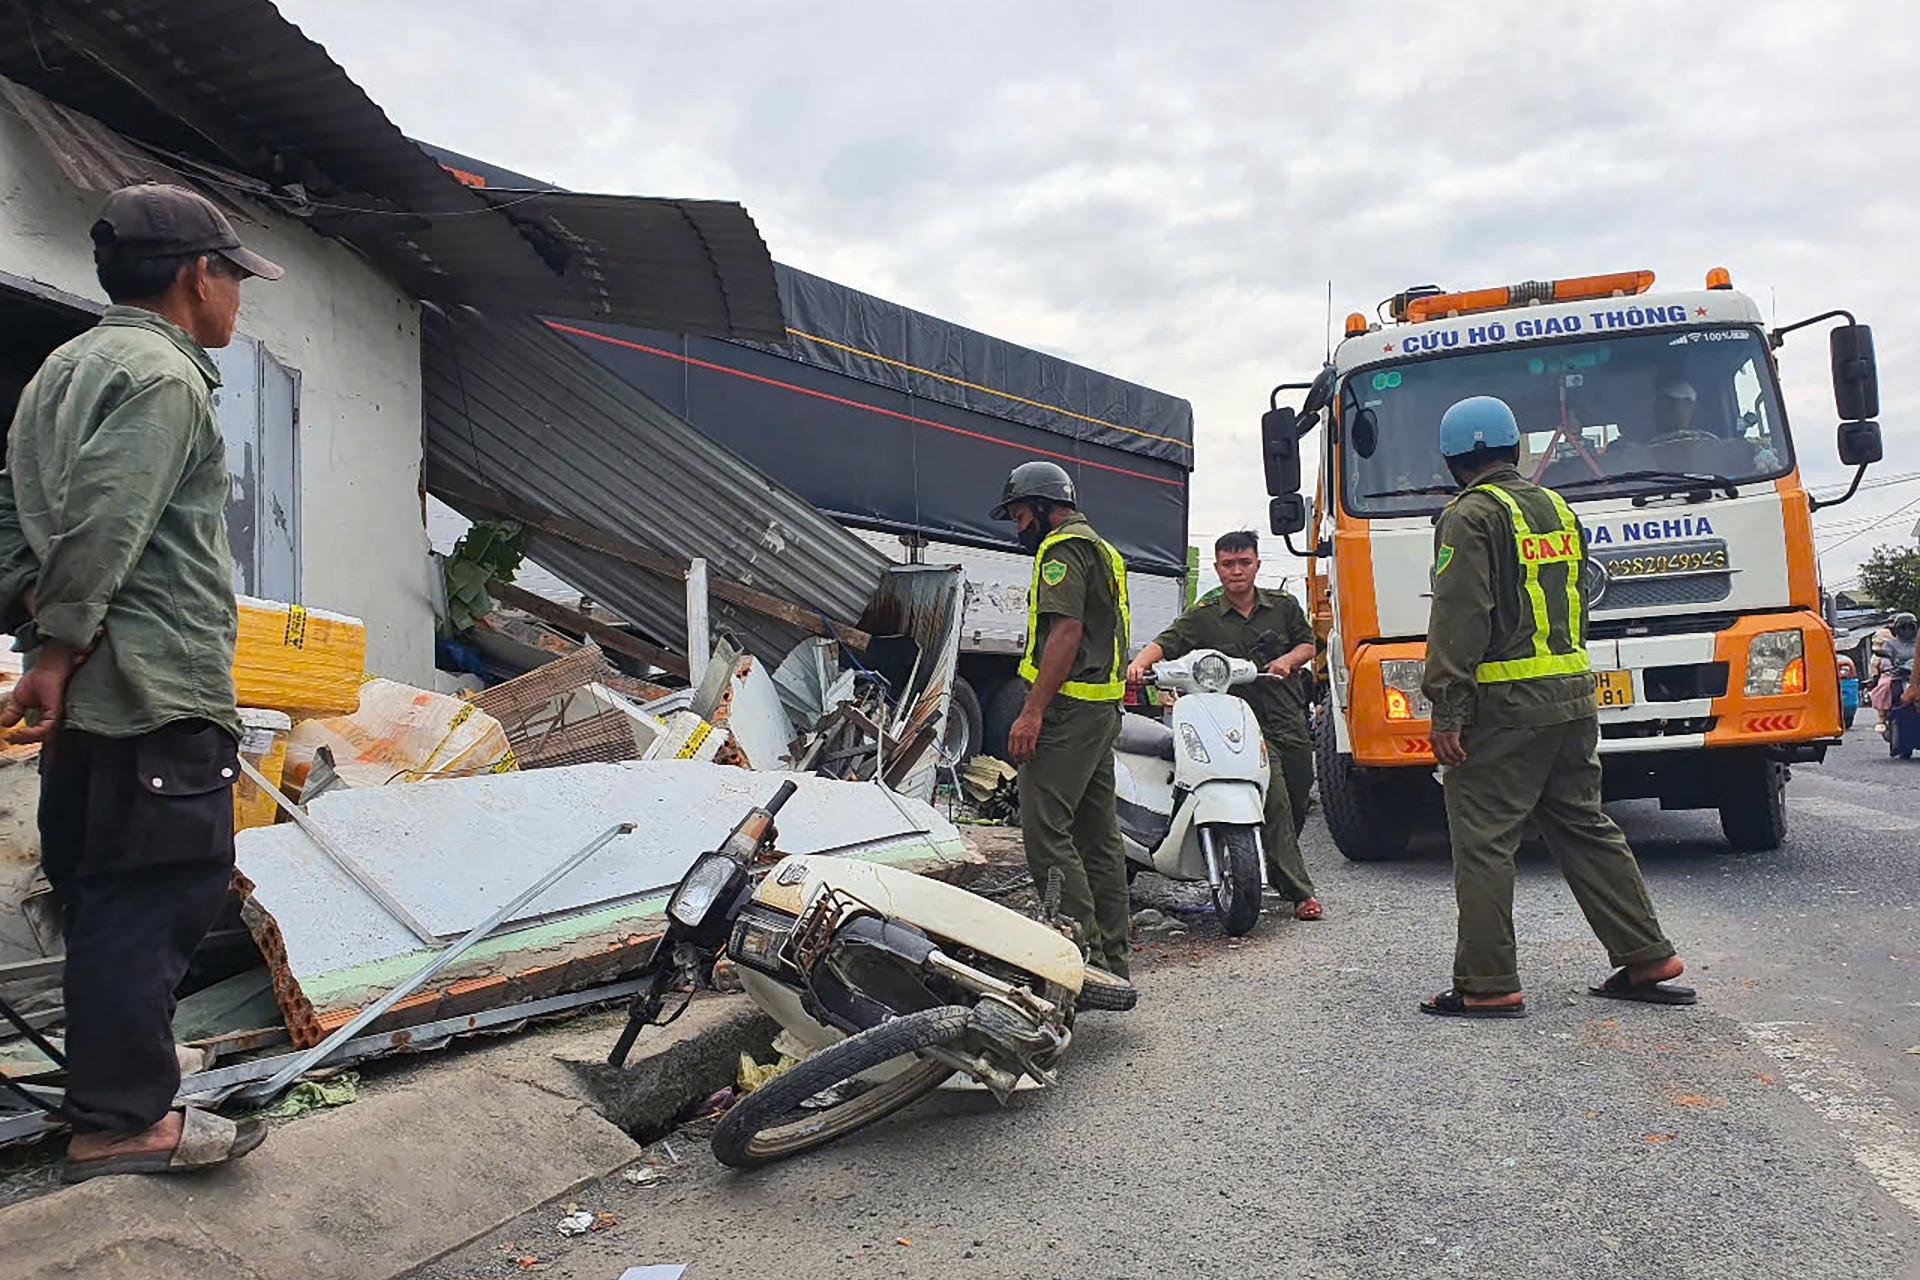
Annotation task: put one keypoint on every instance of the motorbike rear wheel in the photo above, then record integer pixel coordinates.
(768, 1124)
(1238, 898)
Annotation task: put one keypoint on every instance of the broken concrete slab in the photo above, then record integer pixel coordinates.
(451, 851)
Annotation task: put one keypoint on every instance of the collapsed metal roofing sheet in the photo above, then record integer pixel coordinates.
(513, 407)
(232, 81)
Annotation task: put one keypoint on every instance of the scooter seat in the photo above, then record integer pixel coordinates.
(1140, 736)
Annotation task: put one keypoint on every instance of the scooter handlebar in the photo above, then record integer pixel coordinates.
(780, 797)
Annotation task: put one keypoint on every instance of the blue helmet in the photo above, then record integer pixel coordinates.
(1476, 422)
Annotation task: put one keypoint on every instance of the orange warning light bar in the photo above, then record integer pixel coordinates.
(1719, 278)
(1356, 324)
(1436, 306)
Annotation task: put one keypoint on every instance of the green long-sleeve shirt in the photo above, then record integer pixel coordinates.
(1214, 623)
(1477, 617)
(114, 511)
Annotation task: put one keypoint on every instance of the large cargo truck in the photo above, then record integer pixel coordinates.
(903, 427)
(1659, 418)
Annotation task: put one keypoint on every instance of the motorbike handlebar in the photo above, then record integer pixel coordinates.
(780, 797)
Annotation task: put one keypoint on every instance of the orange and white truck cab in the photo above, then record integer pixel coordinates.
(1659, 418)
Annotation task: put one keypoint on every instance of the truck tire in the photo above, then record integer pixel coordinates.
(998, 710)
(1363, 823)
(965, 726)
(1753, 804)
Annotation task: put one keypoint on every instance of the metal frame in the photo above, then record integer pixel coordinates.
(211, 1087)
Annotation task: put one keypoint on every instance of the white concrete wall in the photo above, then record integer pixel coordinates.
(355, 340)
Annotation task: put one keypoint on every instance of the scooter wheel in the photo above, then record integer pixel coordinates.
(1102, 990)
(769, 1124)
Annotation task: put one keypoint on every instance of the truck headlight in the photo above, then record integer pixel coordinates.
(1776, 664)
(1213, 673)
(1400, 679)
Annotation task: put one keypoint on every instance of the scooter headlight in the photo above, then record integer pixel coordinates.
(1212, 673)
(706, 880)
(1196, 749)
(760, 937)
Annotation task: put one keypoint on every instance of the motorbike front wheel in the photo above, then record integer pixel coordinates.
(1238, 897)
(769, 1123)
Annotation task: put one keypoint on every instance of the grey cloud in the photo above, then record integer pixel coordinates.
(1162, 191)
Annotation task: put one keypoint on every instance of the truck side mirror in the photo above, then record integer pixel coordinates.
(1288, 514)
(1856, 380)
(1280, 451)
(1859, 443)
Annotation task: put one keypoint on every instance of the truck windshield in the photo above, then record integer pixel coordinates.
(1700, 402)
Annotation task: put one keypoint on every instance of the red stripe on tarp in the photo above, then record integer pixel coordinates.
(855, 404)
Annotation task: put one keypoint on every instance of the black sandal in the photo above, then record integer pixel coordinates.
(1453, 1004)
(1621, 987)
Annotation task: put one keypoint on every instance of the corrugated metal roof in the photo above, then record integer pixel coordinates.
(232, 81)
(512, 406)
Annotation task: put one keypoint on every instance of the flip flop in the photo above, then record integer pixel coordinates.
(1620, 987)
(1453, 1004)
(206, 1141)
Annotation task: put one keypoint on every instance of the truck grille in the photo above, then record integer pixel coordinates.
(1679, 573)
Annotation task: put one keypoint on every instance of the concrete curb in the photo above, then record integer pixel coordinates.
(429, 1159)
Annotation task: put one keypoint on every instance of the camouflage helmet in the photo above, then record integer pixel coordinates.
(1035, 480)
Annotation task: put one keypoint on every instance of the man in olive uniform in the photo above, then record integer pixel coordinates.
(1235, 622)
(1515, 726)
(1063, 738)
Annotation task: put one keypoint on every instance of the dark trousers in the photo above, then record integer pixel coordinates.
(136, 837)
(1550, 773)
(1289, 781)
(1068, 824)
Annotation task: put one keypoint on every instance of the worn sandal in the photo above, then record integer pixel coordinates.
(1309, 910)
(206, 1140)
(1453, 1004)
(1620, 987)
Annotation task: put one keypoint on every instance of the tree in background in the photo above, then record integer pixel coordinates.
(1892, 577)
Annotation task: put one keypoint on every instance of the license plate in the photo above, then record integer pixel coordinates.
(1616, 688)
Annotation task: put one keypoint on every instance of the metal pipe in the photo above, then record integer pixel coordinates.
(319, 1053)
(387, 901)
(699, 642)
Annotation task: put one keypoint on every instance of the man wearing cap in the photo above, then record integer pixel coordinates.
(1075, 669)
(115, 571)
(1515, 726)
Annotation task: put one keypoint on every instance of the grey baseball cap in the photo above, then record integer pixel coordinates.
(154, 220)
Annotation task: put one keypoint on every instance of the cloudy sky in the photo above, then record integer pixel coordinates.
(1163, 191)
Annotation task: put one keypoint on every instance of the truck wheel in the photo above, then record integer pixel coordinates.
(1753, 804)
(1358, 814)
(999, 709)
(965, 727)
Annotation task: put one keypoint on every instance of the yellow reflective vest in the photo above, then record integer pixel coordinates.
(1558, 648)
(1113, 689)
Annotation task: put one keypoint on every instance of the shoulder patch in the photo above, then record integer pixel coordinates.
(1442, 560)
(1053, 572)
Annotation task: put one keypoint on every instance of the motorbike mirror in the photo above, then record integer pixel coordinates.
(1859, 443)
(1856, 379)
(1280, 450)
(1365, 433)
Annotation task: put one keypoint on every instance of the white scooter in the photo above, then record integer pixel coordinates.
(1193, 796)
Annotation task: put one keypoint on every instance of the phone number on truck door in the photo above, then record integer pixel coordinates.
(1656, 563)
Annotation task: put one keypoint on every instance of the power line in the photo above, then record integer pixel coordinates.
(1886, 519)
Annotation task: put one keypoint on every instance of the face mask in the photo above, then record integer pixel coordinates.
(1031, 537)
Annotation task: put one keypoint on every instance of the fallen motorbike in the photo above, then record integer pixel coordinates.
(1192, 795)
(892, 982)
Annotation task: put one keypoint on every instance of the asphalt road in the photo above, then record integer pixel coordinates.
(1277, 1107)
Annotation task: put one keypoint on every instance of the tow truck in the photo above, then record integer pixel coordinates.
(1659, 417)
